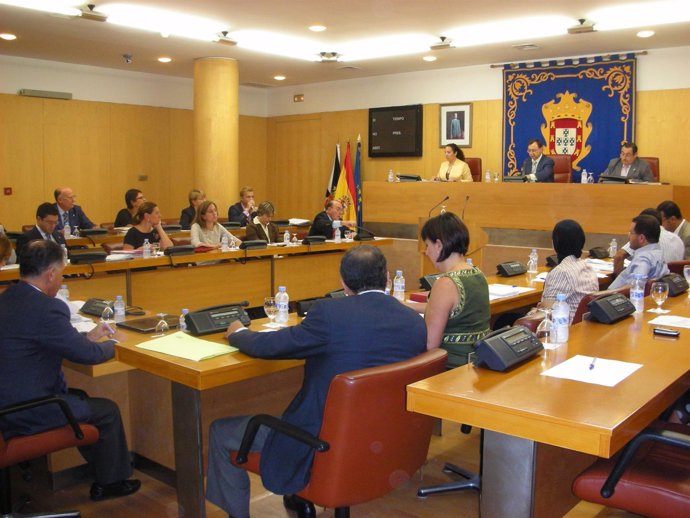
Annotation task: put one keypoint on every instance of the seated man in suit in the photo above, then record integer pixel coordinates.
(323, 221)
(537, 167)
(385, 332)
(244, 210)
(261, 227)
(672, 220)
(46, 223)
(648, 259)
(69, 212)
(628, 165)
(36, 335)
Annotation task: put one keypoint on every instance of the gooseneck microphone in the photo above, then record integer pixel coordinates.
(467, 199)
(439, 203)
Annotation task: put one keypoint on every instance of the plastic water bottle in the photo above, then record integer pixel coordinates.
(495, 177)
(389, 285)
(399, 286)
(613, 247)
(67, 232)
(282, 302)
(65, 253)
(224, 247)
(637, 293)
(469, 262)
(337, 235)
(183, 321)
(147, 249)
(487, 176)
(561, 319)
(63, 292)
(119, 309)
(391, 176)
(533, 263)
(286, 238)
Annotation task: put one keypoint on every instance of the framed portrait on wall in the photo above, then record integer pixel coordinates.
(456, 124)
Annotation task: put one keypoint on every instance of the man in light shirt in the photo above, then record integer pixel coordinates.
(672, 220)
(672, 247)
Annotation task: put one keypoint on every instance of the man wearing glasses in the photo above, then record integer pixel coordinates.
(69, 212)
(46, 223)
(629, 165)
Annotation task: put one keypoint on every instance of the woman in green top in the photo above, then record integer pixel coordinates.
(457, 313)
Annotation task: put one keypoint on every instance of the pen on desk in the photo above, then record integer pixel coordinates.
(591, 365)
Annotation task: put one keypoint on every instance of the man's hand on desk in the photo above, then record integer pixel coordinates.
(234, 326)
(105, 329)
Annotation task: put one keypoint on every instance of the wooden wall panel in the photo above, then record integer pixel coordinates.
(77, 152)
(181, 171)
(663, 122)
(21, 159)
(253, 159)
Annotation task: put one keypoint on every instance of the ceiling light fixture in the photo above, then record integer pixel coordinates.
(279, 78)
(528, 28)
(317, 28)
(645, 34)
(225, 40)
(164, 59)
(641, 15)
(329, 57)
(91, 14)
(444, 43)
(429, 58)
(582, 27)
(8, 37)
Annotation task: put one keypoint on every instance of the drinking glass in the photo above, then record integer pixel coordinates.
(107, 315)
(659, 294)
(161, 326)
(545, 329)
(686, 274)
(270, 308)
(294, 241)
(155, 249)
(348, 235)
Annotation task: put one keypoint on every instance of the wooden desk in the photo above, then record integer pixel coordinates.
(533, 424)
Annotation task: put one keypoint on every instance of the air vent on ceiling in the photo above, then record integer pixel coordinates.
(526, 46)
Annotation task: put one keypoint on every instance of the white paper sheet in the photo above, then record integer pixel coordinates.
(605, 372)
(186, 346)
(499, 291)
(671, 320)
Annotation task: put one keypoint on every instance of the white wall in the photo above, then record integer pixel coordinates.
(661, 69)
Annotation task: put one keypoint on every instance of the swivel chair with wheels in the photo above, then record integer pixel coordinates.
(23, 448)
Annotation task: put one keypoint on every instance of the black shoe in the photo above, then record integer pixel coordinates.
(117, 489)
(304, 508)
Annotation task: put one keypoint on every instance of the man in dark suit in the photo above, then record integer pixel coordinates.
(323, 221)
(628, 165)
(378, 330)
(46, 221)
(261, 227)
(68, 211)
(243, 211)
(36, 336)
(537, 167)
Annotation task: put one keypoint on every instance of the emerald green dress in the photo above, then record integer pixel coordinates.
(469, 320)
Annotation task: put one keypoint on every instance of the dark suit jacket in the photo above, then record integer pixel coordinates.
(36, 335)
(33, 235)
(378, 330)
(77, 218)
(236, 213)
(323, 226)
(639, 169)
(544, 168)
(255, 231)
(187, 217)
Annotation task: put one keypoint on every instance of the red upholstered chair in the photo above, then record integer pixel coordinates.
(475, 168)
(677, 266)
(531, 321)
(109, 247)
(582, 308)
(650, 477)
(653, 162)
(26, 447)
(362, 408)
(562, 168)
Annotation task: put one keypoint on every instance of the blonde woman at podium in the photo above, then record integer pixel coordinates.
(454, 169)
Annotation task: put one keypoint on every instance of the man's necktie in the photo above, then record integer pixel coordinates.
(534, 167)
(65, 219)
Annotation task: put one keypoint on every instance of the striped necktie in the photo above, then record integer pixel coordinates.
(65, 219)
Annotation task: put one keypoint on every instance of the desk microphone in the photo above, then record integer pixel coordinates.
(467, 199)
(363, 234)
(439, 203)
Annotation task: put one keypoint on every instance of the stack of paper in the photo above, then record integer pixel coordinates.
(503, 290)
(186, 346)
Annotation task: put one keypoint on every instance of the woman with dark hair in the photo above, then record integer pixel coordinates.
(261, 226)
(206, 230)
(572, 276)
(147, 225)
(133, 198)
(457, 313)
(454, 169)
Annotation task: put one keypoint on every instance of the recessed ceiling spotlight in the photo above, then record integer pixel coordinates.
(279, 78)
(8, 37)
(429, 58)
(317, 28)
(645, 34)
(164, 59)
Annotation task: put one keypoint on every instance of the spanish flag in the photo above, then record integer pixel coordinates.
(345, 192)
